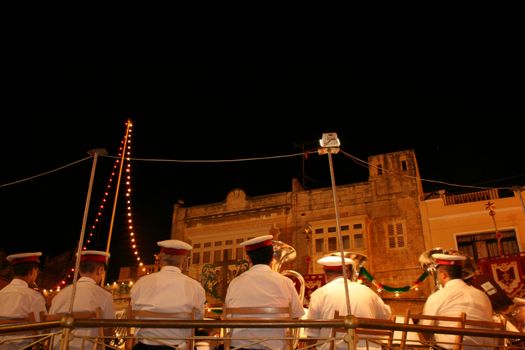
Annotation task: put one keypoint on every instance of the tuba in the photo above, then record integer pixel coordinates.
(428, 264)
(282, 253)
(357, 261)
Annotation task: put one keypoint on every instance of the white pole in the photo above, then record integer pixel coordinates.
(330, 144)
(95, 154)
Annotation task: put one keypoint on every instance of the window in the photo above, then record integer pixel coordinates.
(346, 242)
(239, 253)
(217, 256)
(195, 260)
(379, 169)
(396, 235)
(404, 166)
(319, 245)
(326, 238)
(206, 257)
(359, 242)
(485, 245)
(197, 245)
(229, 242)
(332, 244)
(218, 243)
(207, 244)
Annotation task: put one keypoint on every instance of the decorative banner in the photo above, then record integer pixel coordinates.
(507, 275)
(312, 282)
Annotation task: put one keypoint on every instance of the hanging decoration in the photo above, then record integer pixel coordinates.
(381, 287)
(100, 211)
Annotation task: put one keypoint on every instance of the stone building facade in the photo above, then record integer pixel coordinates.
(379, 218)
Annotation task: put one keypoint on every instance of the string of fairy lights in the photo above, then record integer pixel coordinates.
(126, 142)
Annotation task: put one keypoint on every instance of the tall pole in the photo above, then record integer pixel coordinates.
(95, 154)
(330, 144)
(492, 212)
(128, 124)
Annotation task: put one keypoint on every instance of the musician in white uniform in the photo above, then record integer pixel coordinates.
(88, 296)
(168, 290)
(17, 299)
(324, 301)
(260, 286)
(454, 298)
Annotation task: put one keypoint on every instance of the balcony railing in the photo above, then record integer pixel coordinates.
(350, 323)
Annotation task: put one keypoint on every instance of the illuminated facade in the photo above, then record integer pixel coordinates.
(379, 218)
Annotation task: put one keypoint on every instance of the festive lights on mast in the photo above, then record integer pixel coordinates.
(124, 156)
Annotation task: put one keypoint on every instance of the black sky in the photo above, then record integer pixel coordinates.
(460, 115)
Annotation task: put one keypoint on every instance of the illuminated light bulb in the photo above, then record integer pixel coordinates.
(133, 239)
(416, 288)
(396, 294)
(133, 246)
(138, 259)
(129, 214)
(141, 264)
(144, 269)
(136, 253)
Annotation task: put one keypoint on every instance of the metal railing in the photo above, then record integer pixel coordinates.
(67, 323)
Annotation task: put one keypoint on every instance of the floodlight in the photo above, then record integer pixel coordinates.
(329, 140)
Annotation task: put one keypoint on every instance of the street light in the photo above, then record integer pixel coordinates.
(330, 145)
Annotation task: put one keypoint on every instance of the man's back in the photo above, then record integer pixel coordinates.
(167, 291)
(261, 286)
(453, 299)
(17, 300)
(88, 296)
(331, 297)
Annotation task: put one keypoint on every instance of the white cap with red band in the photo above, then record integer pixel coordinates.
(257, 242)
(174, 247)
(332, 262)
(448, 259)
(23, 258)
(94, 255)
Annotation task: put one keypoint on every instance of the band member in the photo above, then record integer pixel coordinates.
(168, 290)
(17, 299)
(261, 286)
(88, 296)
(324, 301)
(456, 297)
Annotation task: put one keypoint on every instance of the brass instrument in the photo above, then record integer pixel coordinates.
(429, 265)
(357, 261)
(282, 253)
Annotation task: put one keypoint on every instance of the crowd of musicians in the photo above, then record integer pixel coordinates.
(170, 290)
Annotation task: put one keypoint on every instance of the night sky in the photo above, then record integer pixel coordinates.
(461, 117)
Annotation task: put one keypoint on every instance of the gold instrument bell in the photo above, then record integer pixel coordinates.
(357, 262)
